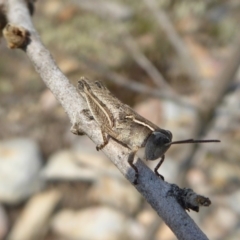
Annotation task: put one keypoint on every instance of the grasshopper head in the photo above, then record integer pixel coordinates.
(160, 140)
(83, 85)
(157, 144)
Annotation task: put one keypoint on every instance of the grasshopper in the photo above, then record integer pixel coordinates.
(121, 123)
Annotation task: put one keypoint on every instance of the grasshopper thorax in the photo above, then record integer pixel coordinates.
(157, 144)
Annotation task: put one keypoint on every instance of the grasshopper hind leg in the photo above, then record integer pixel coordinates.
(105, 141)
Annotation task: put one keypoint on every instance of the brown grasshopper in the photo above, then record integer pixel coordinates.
(122, 123)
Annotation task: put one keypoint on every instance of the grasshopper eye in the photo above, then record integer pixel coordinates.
(80, 84)
(156, 145)
(99, 85)
(170, 134)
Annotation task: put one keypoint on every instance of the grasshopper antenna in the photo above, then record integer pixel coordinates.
(192, 141)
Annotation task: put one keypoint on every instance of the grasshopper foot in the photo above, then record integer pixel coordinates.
(159, 175)
(158, 166)
(105, 141)
(135, 182)
(101, 146)
(130, 161)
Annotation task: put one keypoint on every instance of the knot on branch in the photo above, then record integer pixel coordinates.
(16, 37)
(188, 199)
(3, 19)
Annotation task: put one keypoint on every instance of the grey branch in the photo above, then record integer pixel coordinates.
(159, 194)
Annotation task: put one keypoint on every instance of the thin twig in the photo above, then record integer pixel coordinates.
(116, 11)
(176, 41)
(136, 86)
(159, 194)
(211, 98)
(219, 86)
(3, 20)
(2, 3)
(139, 57)
(144, 62)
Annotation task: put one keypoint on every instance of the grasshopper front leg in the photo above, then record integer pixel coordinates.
(130, 161)
(76, 127)
(105, 141)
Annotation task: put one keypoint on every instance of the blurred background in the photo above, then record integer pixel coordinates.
(176, 63)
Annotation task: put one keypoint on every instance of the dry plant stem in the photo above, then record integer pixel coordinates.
(2, 17)
(144, 62)
(2, 3)
(136, 86)
(210, 101)
(176, 41)
(153, 189)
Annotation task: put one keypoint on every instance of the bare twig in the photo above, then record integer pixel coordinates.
(132, 47)
(219, 86)
(176, 41)
(159, 194)
(3, 20)
(106, 9)
(136, 86)
(144, 62)
(209, 101)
